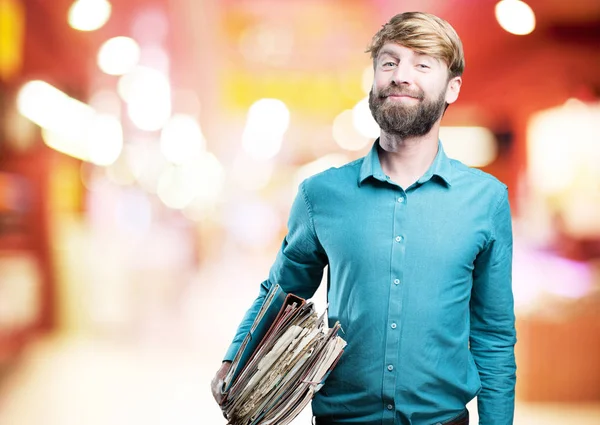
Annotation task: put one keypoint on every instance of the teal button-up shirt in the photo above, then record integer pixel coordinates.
(420, 280)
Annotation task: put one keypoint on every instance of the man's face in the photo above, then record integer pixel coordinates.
(410, 91)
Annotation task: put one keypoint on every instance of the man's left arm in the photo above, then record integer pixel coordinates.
(493, 334)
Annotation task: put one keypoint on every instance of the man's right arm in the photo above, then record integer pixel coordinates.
(298, 267)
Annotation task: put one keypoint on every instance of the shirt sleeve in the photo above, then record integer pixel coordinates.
(493, 334)
(298, 267)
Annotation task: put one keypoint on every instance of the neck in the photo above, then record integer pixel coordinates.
(406, 160)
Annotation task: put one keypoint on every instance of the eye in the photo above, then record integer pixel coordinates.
(388, 64)
(423, 66)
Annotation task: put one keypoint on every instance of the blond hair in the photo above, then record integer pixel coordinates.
(424, 33)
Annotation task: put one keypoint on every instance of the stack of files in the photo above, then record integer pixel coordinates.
(282, 362)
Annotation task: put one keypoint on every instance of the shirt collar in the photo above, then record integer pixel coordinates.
(441, 167)
(371, 167)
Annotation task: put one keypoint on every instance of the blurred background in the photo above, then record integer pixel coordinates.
(150, 151)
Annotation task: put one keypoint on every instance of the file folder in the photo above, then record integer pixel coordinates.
(264, 319)
(282, 362)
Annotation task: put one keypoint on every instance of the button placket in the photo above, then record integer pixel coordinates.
(399, 204)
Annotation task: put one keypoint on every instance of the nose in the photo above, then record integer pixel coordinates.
(403, 74)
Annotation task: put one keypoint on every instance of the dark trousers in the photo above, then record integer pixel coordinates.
(462, 419)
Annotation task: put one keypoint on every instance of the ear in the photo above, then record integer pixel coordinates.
(453, 89)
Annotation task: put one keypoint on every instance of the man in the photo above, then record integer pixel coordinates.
(419, 249)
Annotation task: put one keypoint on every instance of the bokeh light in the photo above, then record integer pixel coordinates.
(68, 142)
(367, 79)
(104, 139)
(474, 146)
(267, 122)
(345, 133)
(209, 186)
(89, 15)
(363, 120)
(118, 55)
(147, 93)
(177, 186)
(147, 162)
(181, 139)
(50, 108)
(155, 57)
(201, 179)
(515, 16)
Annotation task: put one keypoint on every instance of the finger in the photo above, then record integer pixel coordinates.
(216, 394)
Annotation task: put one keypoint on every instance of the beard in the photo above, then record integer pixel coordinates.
(405, 120)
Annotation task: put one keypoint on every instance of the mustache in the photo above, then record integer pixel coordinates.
(398, 91)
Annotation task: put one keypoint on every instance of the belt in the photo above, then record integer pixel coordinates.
(462, 419)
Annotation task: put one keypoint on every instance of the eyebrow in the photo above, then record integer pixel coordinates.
(387, 52)
(395, 55)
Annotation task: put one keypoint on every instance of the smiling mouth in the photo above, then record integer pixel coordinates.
(402, 96)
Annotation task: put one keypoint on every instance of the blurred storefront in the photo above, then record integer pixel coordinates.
(147, 146)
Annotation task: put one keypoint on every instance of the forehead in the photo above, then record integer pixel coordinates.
(396, 49)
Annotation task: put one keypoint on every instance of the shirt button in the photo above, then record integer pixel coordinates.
(390, 367)
(396, 281)
(399, 238)
(390, 407)
(393, 325)
(401, 199)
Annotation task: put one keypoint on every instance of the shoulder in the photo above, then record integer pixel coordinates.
(480, 189)
(340, 177)
(464, 174)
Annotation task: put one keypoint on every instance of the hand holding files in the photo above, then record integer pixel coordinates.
(283, 361)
